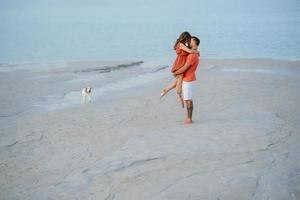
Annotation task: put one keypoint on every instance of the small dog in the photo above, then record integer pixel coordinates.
(86, 93)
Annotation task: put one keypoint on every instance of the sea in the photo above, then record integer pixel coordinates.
(70, 30)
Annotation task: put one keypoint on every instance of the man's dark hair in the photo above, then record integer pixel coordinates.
(196, 39)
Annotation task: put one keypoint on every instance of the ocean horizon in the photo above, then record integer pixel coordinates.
(47, 31)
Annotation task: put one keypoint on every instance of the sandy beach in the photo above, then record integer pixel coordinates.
(128, 144)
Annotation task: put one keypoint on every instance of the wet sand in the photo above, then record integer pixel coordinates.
(244, 142)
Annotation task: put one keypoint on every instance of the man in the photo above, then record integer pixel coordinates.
(189, 77)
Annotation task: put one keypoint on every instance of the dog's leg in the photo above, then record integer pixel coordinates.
(90, 98)
(83, 99)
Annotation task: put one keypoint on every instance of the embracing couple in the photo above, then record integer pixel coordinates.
(184, 71)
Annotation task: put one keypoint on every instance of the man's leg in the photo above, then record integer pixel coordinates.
(189, 108)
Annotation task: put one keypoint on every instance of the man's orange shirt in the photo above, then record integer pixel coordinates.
(193, 61)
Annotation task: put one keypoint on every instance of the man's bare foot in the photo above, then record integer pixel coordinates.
(188, 121)
(163, 93)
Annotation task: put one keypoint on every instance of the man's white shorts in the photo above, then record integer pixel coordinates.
(187, 90)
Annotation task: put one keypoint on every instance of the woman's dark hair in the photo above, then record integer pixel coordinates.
(184, 37)
(197, 40)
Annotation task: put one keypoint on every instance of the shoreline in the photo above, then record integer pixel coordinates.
(85, 72)
(50, 62)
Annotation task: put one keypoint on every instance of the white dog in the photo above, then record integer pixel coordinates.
(86, 93)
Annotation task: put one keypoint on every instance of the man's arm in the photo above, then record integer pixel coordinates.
(182, 69)
(185, 48)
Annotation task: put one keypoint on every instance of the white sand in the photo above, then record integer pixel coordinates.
(244, 142)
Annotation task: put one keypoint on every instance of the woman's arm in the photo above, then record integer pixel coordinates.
(185, 48)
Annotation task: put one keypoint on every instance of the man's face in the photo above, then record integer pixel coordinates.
(193, 44)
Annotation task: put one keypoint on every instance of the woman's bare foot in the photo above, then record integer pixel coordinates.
(188, 121)
(163, 93)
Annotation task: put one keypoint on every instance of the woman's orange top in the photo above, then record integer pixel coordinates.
(180, 58)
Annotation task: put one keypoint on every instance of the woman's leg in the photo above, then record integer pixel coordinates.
(179, 84)
(168, 88)
(179, 90)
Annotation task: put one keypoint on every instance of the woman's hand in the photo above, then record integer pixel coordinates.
(195, 51)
